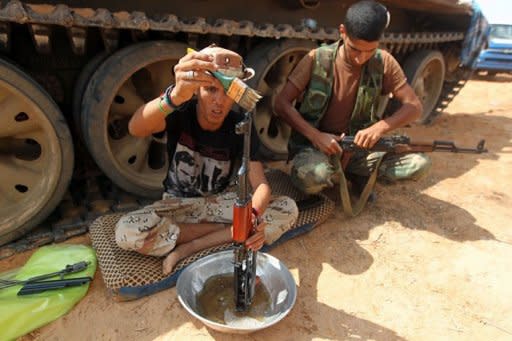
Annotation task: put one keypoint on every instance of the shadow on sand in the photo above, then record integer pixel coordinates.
(340, 247)
(432, 214)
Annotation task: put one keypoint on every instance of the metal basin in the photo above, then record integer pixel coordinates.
(273, 274)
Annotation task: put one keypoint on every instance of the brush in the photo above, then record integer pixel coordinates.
(236, 89)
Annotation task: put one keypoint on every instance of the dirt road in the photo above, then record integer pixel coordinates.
(429, 260)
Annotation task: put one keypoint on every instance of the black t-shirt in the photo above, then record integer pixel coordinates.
(202, 162)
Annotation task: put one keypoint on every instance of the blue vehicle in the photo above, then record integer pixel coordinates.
(497, 56)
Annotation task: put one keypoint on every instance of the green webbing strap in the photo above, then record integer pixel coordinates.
(350, 210)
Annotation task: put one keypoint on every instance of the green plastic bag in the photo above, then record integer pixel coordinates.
(20, 315)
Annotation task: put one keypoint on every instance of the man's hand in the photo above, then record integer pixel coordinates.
(327, 143)
(256, 241)
(190, 73)
(366, 138)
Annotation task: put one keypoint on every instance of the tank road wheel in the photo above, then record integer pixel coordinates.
(123, 82)
(81, 85)
(425, 72)
(273, 62)
(36, 153)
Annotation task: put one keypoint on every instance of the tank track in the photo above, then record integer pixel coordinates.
(450, 90)
(85, 201)
(110, 24)
(96, 195)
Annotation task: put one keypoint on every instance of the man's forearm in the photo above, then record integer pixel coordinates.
(407, 113)
(260, 186)
(261, 197)
(150, 117)
(147, 119)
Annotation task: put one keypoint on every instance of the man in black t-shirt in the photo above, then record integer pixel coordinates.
(196, 211)
(201, 160)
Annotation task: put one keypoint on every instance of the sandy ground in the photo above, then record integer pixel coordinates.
(427, 261)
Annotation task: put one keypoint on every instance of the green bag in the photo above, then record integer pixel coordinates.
(20, 315)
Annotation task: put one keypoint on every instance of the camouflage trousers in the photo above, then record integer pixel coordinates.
(312, 170)
(154, 229)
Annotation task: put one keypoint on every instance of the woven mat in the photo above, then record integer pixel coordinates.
(129, 275)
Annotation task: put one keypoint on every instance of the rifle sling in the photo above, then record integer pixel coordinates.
(348, 208)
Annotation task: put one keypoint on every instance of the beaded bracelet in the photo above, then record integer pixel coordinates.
(168, 99)
(160, 106)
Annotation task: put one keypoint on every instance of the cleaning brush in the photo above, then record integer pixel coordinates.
(236, 89)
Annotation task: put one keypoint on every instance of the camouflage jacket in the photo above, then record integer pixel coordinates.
(319, 91)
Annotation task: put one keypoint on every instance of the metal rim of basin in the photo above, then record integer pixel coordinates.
(194, 268)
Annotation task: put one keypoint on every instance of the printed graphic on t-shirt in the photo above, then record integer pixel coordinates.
(198, 174)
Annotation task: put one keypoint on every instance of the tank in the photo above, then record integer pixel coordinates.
(73, 72)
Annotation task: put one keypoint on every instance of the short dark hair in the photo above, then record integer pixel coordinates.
(366, 20)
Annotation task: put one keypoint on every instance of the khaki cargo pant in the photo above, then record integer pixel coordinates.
(312, 170)
(159, 222)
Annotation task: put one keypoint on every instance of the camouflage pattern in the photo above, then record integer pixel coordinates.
(319, 92)
(312, 171)
(154, 229)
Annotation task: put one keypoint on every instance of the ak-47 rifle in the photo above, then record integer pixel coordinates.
(402, 144)
(243, 226)
(395, 144)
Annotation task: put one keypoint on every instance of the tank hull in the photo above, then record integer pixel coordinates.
(69, 48)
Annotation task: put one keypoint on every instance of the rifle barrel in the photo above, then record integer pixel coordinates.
(37, 287)
(449, 146)
(402, 144)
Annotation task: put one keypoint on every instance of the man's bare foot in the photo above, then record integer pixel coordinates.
(169, 262)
